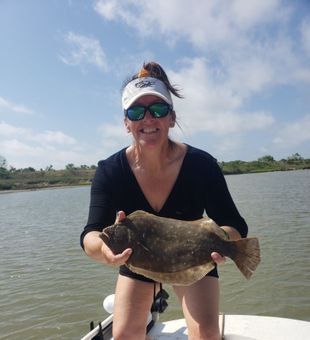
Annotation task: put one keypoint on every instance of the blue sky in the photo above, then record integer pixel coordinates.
(243, 67)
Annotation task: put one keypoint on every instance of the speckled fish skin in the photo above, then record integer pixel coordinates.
(169, 250)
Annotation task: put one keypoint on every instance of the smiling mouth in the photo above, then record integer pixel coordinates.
(149, 130)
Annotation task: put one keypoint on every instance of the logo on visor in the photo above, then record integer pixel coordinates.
(144, 83)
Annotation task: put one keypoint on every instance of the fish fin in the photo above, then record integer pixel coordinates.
(247, 256)
(182, 278)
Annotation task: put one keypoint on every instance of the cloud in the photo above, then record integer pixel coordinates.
(46, 137)
(305, 35)
(8, 130)
(294, 134)
(243, 49)
(53, 137)
(250, 40)
(212, 104)
(8, 105)
(113, 135)
(211, 22)
(84, 51)
(108, 9)
(24, 147)
(22, 154)
(14, 147)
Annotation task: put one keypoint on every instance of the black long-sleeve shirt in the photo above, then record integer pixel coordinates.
(200, 188)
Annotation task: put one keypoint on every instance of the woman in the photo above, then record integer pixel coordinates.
(163, 177)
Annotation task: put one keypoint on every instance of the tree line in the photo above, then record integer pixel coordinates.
(7, 170)
(265, 164)
(30, 178)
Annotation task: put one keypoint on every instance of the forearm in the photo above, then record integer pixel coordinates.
(96, 249)
(93, 246)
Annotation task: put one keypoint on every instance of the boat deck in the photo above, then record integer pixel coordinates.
(236, 327)
(240, 327)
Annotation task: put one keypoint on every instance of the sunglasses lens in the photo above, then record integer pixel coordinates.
(135, 113)
(159, 110)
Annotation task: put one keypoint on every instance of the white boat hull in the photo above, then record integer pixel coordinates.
(236, 327)
(241, 327)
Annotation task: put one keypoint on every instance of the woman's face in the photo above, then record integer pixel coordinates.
(150, 131)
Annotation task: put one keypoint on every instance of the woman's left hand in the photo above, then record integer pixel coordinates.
(218, 258)
(229, 233)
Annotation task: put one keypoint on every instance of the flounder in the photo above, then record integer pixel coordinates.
(175, 251)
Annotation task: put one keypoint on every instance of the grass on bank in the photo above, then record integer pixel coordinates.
(29, 178)
(45, 179)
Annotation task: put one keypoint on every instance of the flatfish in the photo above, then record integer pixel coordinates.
(175, 251)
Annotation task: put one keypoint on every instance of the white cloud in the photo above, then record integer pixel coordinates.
(84, 50)
(234, 123)
(247, 38)
(113, 136)
(8, 130)
(8, 105)
(211, 21)
(46, 137)
(22, 154)
(226, 146)
(212, 105)
(108, 9)
(24, 147)
(247, 14)
(242, 49)
(15, 147)
(294, 134)
(305, 35)
(54, 137)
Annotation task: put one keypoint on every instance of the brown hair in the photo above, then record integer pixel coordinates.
(154, 70)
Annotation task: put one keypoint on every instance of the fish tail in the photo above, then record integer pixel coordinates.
(247, 255)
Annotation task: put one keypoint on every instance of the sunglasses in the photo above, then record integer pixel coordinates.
(157, 110)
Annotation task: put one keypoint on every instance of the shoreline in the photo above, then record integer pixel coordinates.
(76, 185)
(11, 191)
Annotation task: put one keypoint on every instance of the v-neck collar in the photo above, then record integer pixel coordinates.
(140, 191)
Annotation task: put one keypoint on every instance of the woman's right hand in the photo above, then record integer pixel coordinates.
(99, 251)
(110, 257)
(115, 260)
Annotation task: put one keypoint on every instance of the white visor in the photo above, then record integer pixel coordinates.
(144, 86)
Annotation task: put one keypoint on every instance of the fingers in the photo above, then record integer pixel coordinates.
(120, 215)
(124, 256)
(119, 259)
(107, 255)
(218, 258)
(115, 260)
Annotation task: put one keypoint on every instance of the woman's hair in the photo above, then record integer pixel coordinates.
(154, 70)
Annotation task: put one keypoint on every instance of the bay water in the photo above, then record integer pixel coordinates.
(49, 289)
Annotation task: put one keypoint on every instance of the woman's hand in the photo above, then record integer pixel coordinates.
(110, 257)
(229, 233)
(115, 260)
(218, 258)
(99, 251)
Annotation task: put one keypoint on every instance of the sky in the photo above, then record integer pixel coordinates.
(243, 67)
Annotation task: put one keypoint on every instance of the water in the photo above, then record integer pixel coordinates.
(51, 290)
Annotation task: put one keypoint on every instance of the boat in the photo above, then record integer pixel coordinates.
(232, 327)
